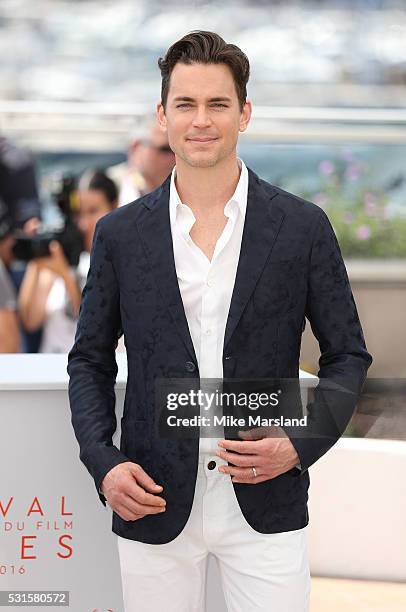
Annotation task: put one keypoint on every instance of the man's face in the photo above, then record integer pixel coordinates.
(202, 116)
(152, 157)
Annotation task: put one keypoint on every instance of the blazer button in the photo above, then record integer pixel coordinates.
(190, 366)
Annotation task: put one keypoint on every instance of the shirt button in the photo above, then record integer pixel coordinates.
(190, 366)
(208, 332)
(211, 465)
(209, 282)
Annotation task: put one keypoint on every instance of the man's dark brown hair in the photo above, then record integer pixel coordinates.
(206, 48)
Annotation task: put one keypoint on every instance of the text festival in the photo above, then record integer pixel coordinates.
(34, 511)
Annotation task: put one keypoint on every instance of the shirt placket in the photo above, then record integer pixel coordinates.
(211, 367)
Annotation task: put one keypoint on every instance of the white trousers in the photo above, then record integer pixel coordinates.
(259, 572)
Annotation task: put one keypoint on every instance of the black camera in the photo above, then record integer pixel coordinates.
(69, 236)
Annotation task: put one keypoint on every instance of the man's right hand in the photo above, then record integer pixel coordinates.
(131, 493)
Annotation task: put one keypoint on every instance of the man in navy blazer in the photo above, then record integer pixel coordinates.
(289, 268)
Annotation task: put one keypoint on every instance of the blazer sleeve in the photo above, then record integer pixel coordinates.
(344, 359)
(92, 366)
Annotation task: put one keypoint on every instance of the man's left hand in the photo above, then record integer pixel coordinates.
(271, 456)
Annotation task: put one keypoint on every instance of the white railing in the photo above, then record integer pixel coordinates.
(84, 126)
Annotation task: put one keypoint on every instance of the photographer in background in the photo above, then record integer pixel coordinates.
(51, 290)
(18, 186)
(9, 332)
(149, 161)
(20, 209)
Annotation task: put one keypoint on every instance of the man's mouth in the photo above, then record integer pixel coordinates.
(202, 140)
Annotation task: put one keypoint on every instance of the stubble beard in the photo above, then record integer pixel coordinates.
(204, 161)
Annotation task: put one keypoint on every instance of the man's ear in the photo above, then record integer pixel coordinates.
(245, 116)
(161, 117)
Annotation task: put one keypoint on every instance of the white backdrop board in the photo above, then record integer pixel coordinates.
(54, 532)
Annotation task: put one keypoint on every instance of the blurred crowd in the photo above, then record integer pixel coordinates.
(43, 271)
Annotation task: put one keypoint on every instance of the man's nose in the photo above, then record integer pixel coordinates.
(201, 117)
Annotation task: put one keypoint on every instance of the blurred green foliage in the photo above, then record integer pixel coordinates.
(360, 214)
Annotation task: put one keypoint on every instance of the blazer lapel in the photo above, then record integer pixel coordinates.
(262, 222)
(263, 219)
(155, 233)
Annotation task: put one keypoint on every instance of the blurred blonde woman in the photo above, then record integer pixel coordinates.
(51, 290)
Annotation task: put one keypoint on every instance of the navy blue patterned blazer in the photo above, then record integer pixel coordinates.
(290, 269)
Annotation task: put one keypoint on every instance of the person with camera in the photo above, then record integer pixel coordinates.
(20, 210)
(51, 290)
(9, 332)
(18, 186)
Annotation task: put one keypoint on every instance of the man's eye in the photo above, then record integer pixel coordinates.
(182, 105)
(219, 104)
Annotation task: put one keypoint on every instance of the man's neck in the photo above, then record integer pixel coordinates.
(207, 188)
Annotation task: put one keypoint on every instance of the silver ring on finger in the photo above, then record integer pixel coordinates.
(255, 472)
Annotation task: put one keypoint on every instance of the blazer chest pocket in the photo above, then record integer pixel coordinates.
(280, 287)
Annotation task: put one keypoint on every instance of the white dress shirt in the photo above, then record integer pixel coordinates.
(206, 286)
